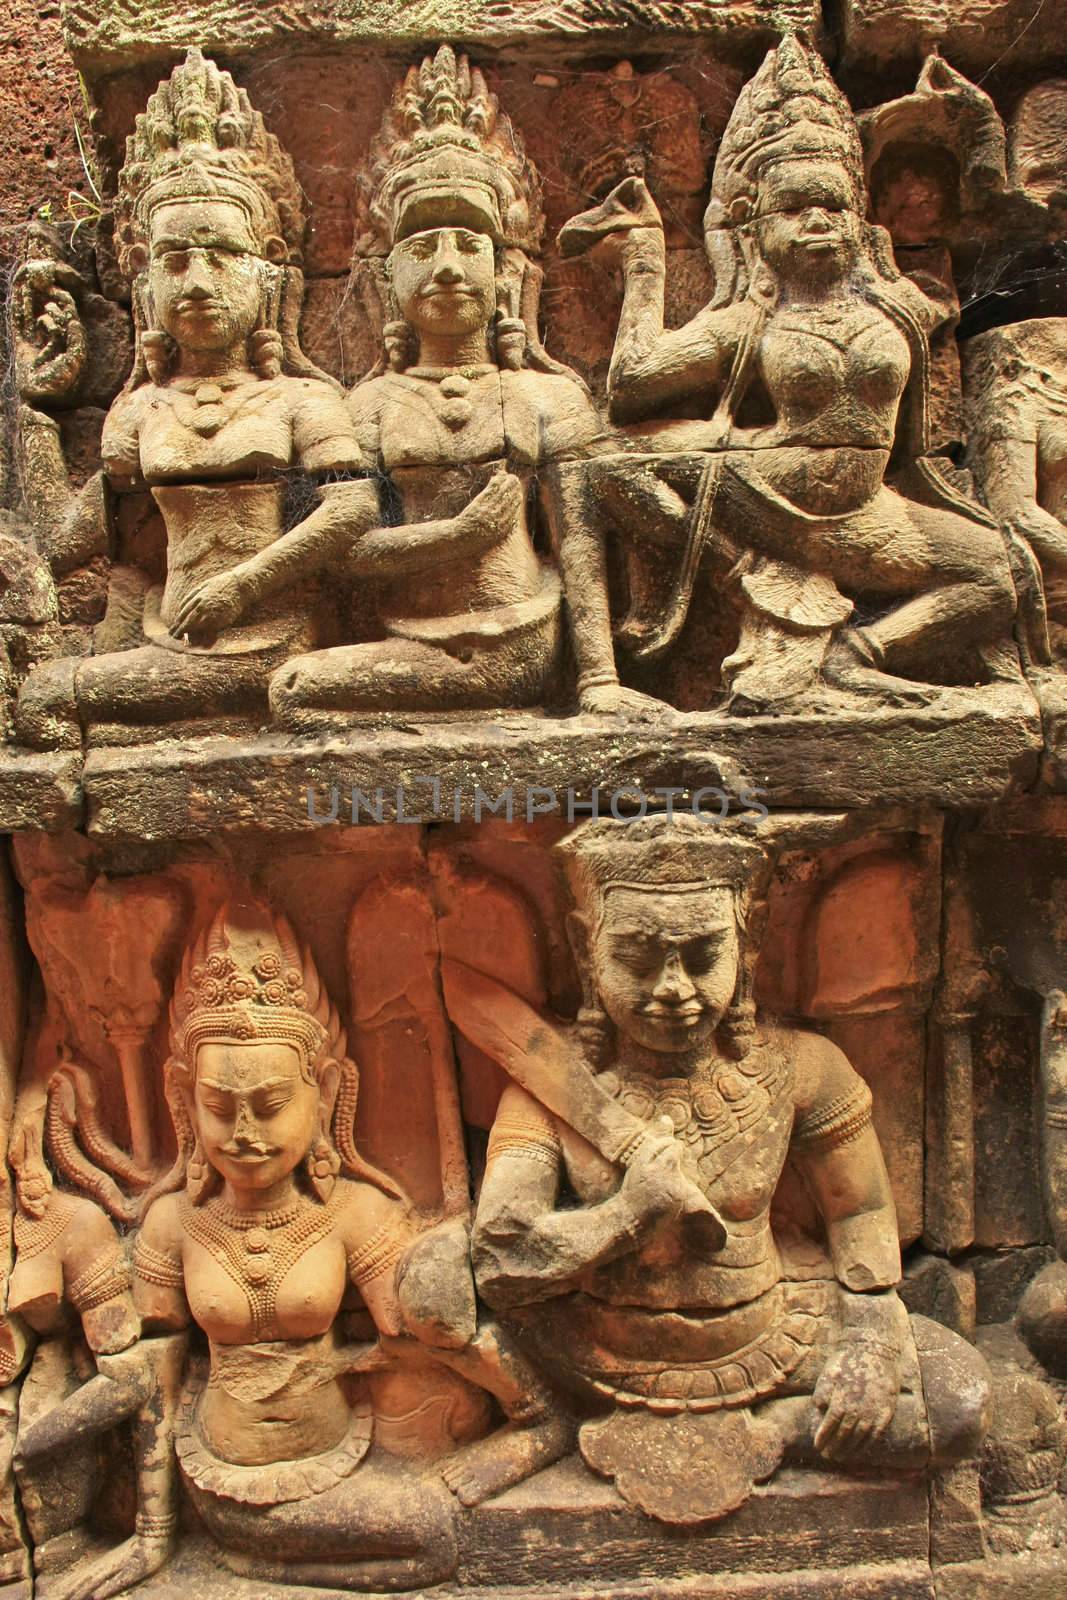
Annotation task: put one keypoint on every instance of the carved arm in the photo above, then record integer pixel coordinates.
(525, 1250)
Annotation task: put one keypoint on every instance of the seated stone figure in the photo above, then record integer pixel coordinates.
(220, 405)
(625, 1226)
(266, 1219)
(467, 413)
(805, 372)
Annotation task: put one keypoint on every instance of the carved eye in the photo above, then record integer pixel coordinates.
(637, 955)
(468, 243)
(217, 1105)
(699, 955)
(268, 1102)
(176, 261)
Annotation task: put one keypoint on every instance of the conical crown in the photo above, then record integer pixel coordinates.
(446, 155)
(199, 138)
(246, 978)
(791, 110)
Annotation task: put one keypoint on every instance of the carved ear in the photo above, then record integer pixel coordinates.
(329, 1083)
(275, 249)
(578, 931)
(138, 257)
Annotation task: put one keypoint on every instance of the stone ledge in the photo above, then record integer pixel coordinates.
(968, 748)
(109, 35)
(565, 1535)
(40, 791)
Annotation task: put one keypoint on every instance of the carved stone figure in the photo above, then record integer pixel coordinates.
(797, 381)
(268, 1214)
(1016, 389)
(220, 405)
(462, 413)
(715, 1340)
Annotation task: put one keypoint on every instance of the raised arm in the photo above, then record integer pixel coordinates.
(651, 366)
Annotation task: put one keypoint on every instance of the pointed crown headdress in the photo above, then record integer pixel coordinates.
(447, 155)
(791, 110)
(246, 978)
(199, 138)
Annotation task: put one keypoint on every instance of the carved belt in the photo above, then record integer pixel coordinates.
(701, 1361)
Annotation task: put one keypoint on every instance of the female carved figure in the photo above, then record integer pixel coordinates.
(467, 410)
(267, 1220)
(713, 1340)
(220, 405)
(798, 372)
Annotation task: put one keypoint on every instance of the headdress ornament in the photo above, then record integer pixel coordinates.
(681, 851)
(247, 978)
(199, 138)
(790, 110)
(446, 154)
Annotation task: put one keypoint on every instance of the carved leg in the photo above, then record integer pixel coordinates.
(309, 691)
(969, 598)
(538, 1430)
(144, 686)
(385, 1528)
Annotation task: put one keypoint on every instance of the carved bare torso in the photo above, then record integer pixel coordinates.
(440, 438)
(834, 376)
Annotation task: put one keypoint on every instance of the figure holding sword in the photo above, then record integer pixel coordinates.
(624, 1229)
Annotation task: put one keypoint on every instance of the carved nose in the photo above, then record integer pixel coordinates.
(197, 284)
(448, 271)
(674, 983)
(817, 219)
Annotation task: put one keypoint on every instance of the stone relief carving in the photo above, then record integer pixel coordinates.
(700, 1329)
(558, 1204)
(221, 402)
(811, 318)
(465, 409)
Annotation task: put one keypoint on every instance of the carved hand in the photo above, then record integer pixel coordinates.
(856, 1395)
(50, 347)
(118, 1570)
(217, 603)
(627, 209)
(655, 1186)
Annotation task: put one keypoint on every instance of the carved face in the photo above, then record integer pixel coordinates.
(204, 274)
(445, 280)
(807, 224)
(664, 963)
(255, 1114)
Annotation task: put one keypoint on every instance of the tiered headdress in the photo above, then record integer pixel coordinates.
(792, 110)
(445, 154)
(676, 852)
(246, 978)
(199, 138)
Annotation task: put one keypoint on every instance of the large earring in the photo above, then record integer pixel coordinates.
(199, 1175)
(322, 1164)
(594, 1031)
(157, 348)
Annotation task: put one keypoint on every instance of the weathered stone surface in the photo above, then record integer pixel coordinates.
(184, 789)
(355, 1082)
(974, 34)
(111, 35)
